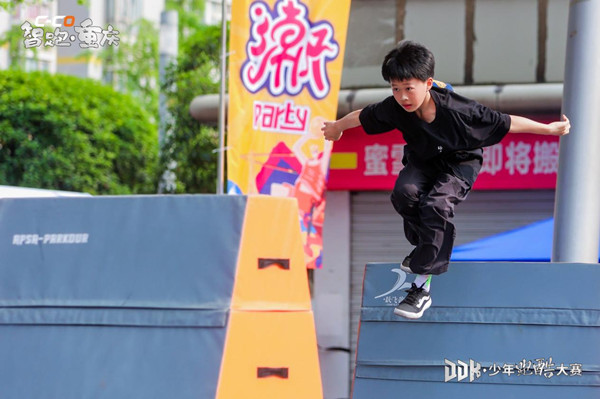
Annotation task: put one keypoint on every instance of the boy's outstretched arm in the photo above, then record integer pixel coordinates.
(520, 124)
(333, 130)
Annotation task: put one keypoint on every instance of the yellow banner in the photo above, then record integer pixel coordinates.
(285, 68)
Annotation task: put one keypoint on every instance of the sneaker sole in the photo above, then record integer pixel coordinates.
(413, 316)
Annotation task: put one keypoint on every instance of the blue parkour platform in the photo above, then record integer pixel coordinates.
(119, 307)
(528, 318)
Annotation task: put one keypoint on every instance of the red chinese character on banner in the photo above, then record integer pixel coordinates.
(545, 157)
(517, 157)
(375, 160)
(492, 159)
(286, 52)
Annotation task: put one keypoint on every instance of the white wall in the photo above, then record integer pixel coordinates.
(439, 25)
(505, 47)
(371, 34)
(506, 44)
(558, 11)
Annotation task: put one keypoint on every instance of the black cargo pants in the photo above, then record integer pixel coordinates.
(425, 195)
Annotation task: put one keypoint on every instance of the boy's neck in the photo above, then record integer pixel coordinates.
(426, 111)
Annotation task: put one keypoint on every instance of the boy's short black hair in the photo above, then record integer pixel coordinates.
(408, 60)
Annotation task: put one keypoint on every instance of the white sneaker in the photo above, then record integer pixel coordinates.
(416, 302)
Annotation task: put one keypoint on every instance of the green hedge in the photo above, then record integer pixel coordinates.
(68, 133)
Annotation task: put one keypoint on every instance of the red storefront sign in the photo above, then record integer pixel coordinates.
(372, 162)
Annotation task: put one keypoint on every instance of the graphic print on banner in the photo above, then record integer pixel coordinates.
(285, 70)
(286, 52)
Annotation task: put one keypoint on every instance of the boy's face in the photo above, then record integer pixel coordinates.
(411, 93)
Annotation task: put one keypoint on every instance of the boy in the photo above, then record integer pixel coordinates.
(444, 134)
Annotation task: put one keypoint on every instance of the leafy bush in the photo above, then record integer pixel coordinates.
(68, 133)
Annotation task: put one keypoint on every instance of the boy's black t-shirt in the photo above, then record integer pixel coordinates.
(460, 128)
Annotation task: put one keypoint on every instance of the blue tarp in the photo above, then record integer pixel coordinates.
(532, 243)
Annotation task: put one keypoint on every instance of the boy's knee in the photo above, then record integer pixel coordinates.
(405, 196)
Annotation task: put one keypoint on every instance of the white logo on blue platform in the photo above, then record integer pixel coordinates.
(400, 283)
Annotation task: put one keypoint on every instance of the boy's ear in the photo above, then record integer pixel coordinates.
(429, 82)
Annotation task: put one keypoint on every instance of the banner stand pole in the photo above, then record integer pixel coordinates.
(221, 152)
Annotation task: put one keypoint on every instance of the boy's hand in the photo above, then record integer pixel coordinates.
(560, 128)
(331, 131)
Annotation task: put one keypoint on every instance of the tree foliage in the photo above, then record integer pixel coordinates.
(132, 67)
(68, 133)
(189, 143)
(12, 39)
(189, 15)
(11, 4)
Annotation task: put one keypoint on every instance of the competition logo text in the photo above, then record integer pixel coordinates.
(89, 36)
(54, 238)
(286, 52)
(540, 367)
(399, 285)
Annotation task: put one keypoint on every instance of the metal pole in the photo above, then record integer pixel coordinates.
(577, 206)
(221, 149)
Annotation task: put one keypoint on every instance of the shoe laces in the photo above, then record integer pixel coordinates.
(413, 294)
